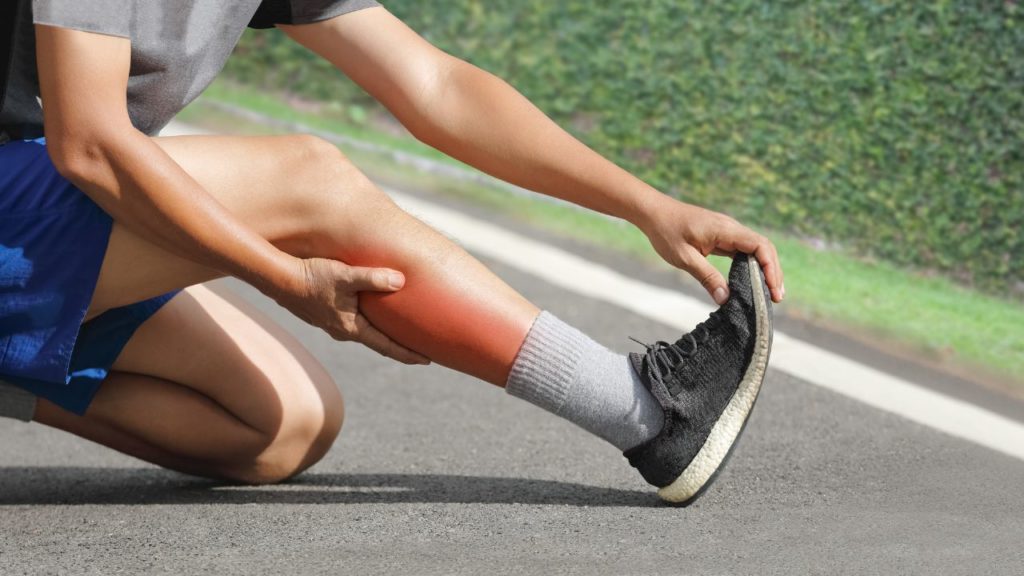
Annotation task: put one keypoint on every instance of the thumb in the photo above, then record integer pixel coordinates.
(375, 279)
(710, 278)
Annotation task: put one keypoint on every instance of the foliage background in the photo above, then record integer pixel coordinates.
(892, 128)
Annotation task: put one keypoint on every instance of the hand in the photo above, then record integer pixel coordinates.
(325, 293)
(684, 235)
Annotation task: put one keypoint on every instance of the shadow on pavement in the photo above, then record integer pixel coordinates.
(48, 485)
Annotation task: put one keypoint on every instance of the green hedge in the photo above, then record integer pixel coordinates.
(892, 127)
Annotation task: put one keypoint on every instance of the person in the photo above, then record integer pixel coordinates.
(108, 231)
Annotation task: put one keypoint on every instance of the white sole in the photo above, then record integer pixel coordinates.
(727, 428)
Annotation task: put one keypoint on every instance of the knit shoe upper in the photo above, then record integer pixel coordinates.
(706, 382)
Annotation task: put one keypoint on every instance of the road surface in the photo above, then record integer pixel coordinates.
(435, 473)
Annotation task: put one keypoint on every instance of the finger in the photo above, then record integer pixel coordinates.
(780, 291)
(768, 258)
(708, 276)
(750, 242)
(362, 279)
(379, 342)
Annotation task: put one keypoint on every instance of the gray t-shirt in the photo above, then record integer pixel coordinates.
(177, 48)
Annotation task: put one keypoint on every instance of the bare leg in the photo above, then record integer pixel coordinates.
(260, 408)
(303, 195)
(210, 386)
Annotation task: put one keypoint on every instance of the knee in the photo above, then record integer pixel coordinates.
(307, 433)
(316, 427)
(332, 187)
(330, 171)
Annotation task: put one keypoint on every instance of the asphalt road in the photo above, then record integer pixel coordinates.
(435, 473)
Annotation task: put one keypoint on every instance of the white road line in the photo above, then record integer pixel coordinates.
(798, 358)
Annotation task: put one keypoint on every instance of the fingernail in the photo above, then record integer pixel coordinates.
(720, 296)
(395, 280)
(783, 290)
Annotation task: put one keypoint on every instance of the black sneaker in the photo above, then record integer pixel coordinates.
(707, 383)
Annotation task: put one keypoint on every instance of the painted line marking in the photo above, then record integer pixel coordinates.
(791, 355)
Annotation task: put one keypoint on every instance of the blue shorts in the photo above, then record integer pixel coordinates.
(52, 242)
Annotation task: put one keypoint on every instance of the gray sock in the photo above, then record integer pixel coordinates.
(566, 373)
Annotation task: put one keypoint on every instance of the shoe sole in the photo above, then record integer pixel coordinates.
(704, 467)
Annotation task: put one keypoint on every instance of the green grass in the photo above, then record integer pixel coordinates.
(320, 116)
(930, 317)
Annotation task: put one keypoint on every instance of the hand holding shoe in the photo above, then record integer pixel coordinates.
(684, 235)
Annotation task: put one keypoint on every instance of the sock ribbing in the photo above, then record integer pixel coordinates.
(565, 372)
(546, 366)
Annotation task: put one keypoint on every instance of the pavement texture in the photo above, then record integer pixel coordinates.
(435, 473)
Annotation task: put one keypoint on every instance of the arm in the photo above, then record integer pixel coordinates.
(83, 80)
(478, 118)
(92, 142)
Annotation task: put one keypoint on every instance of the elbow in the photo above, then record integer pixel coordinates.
(447, 115)
(424, 121)
(427, 131)
(432, 115)
(437, 126)
(68, 162)
(78, 157)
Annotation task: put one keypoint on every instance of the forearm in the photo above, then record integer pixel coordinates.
(83, 81)
(128, 175)
(517, 143)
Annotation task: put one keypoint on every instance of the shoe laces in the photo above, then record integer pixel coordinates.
(665, 359)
